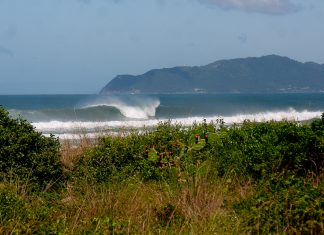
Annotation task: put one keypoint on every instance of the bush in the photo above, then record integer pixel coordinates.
(12, 206)
(109, 158)
(287, 205)
(258, 150)
(155, 154)
(286, 162)
(27, 155)
(255, 150)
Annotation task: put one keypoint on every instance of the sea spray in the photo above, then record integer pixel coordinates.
(138, 107)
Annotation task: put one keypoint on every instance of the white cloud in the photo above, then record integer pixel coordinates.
(260, 6)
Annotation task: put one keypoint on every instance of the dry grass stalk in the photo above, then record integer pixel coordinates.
(73, 149)
(137, 204)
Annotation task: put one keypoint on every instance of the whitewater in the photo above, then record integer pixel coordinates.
(73, 116)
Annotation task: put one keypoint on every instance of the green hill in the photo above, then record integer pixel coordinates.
(270, 73)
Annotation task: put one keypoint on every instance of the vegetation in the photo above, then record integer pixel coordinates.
(258, 178)
(26, 156)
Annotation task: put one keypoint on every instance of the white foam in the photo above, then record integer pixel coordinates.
(113, 126)
(138, 108)
(72, 136)
(290, 115)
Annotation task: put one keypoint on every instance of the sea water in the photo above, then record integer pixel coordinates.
(70, 116)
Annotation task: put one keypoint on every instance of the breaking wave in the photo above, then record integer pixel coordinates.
(103, 108)
(130, 107)
(63, 129)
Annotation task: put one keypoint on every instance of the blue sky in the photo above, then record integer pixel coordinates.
(77, 46)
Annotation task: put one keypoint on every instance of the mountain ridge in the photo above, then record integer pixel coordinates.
(270, 73)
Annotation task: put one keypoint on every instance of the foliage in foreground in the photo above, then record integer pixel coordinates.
(260, 150)
(253, 150)
(259, 178)
(280, 158)
(26, 155)
(289, 205)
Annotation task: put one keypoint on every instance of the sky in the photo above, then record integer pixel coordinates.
(78, 46)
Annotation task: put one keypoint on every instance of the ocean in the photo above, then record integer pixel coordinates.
(72, 116)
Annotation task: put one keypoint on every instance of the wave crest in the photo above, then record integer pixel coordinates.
(131, 107)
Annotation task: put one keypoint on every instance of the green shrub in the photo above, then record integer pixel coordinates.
(261, 149)
(154, 154)
(111, 156)
(287, 205)
(12, 206)
(255, 150)
(27, 155)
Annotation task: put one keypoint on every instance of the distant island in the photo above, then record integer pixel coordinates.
(271, 73)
